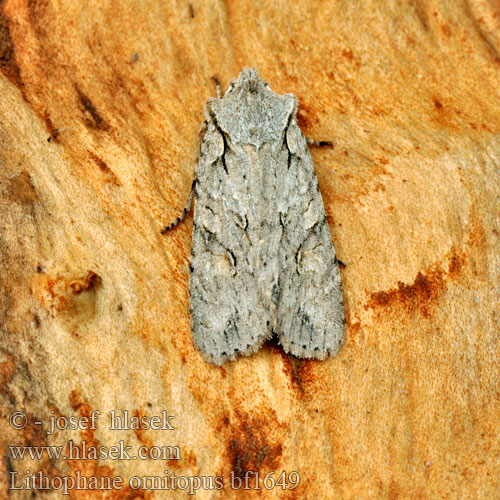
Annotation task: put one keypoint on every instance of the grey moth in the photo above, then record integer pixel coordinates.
(262, 260)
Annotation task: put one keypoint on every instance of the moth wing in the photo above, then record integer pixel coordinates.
(227, 316)
(310, 310)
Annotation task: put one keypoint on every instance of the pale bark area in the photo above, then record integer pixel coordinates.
(94, 305)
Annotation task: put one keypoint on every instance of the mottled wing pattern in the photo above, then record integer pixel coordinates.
(310, 310)
(228, 318)
(262, 260)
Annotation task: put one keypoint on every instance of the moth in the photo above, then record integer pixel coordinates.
(262, 259)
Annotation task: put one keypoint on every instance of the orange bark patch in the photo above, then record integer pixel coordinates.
(249, 450)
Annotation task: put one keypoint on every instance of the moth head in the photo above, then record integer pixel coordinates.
(250, 112)
(248, 81)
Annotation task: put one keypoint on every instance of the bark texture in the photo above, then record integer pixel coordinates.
(94, 300)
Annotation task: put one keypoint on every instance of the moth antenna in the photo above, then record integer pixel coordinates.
(217, 86)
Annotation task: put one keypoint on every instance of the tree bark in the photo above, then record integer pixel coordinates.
(94, 311)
